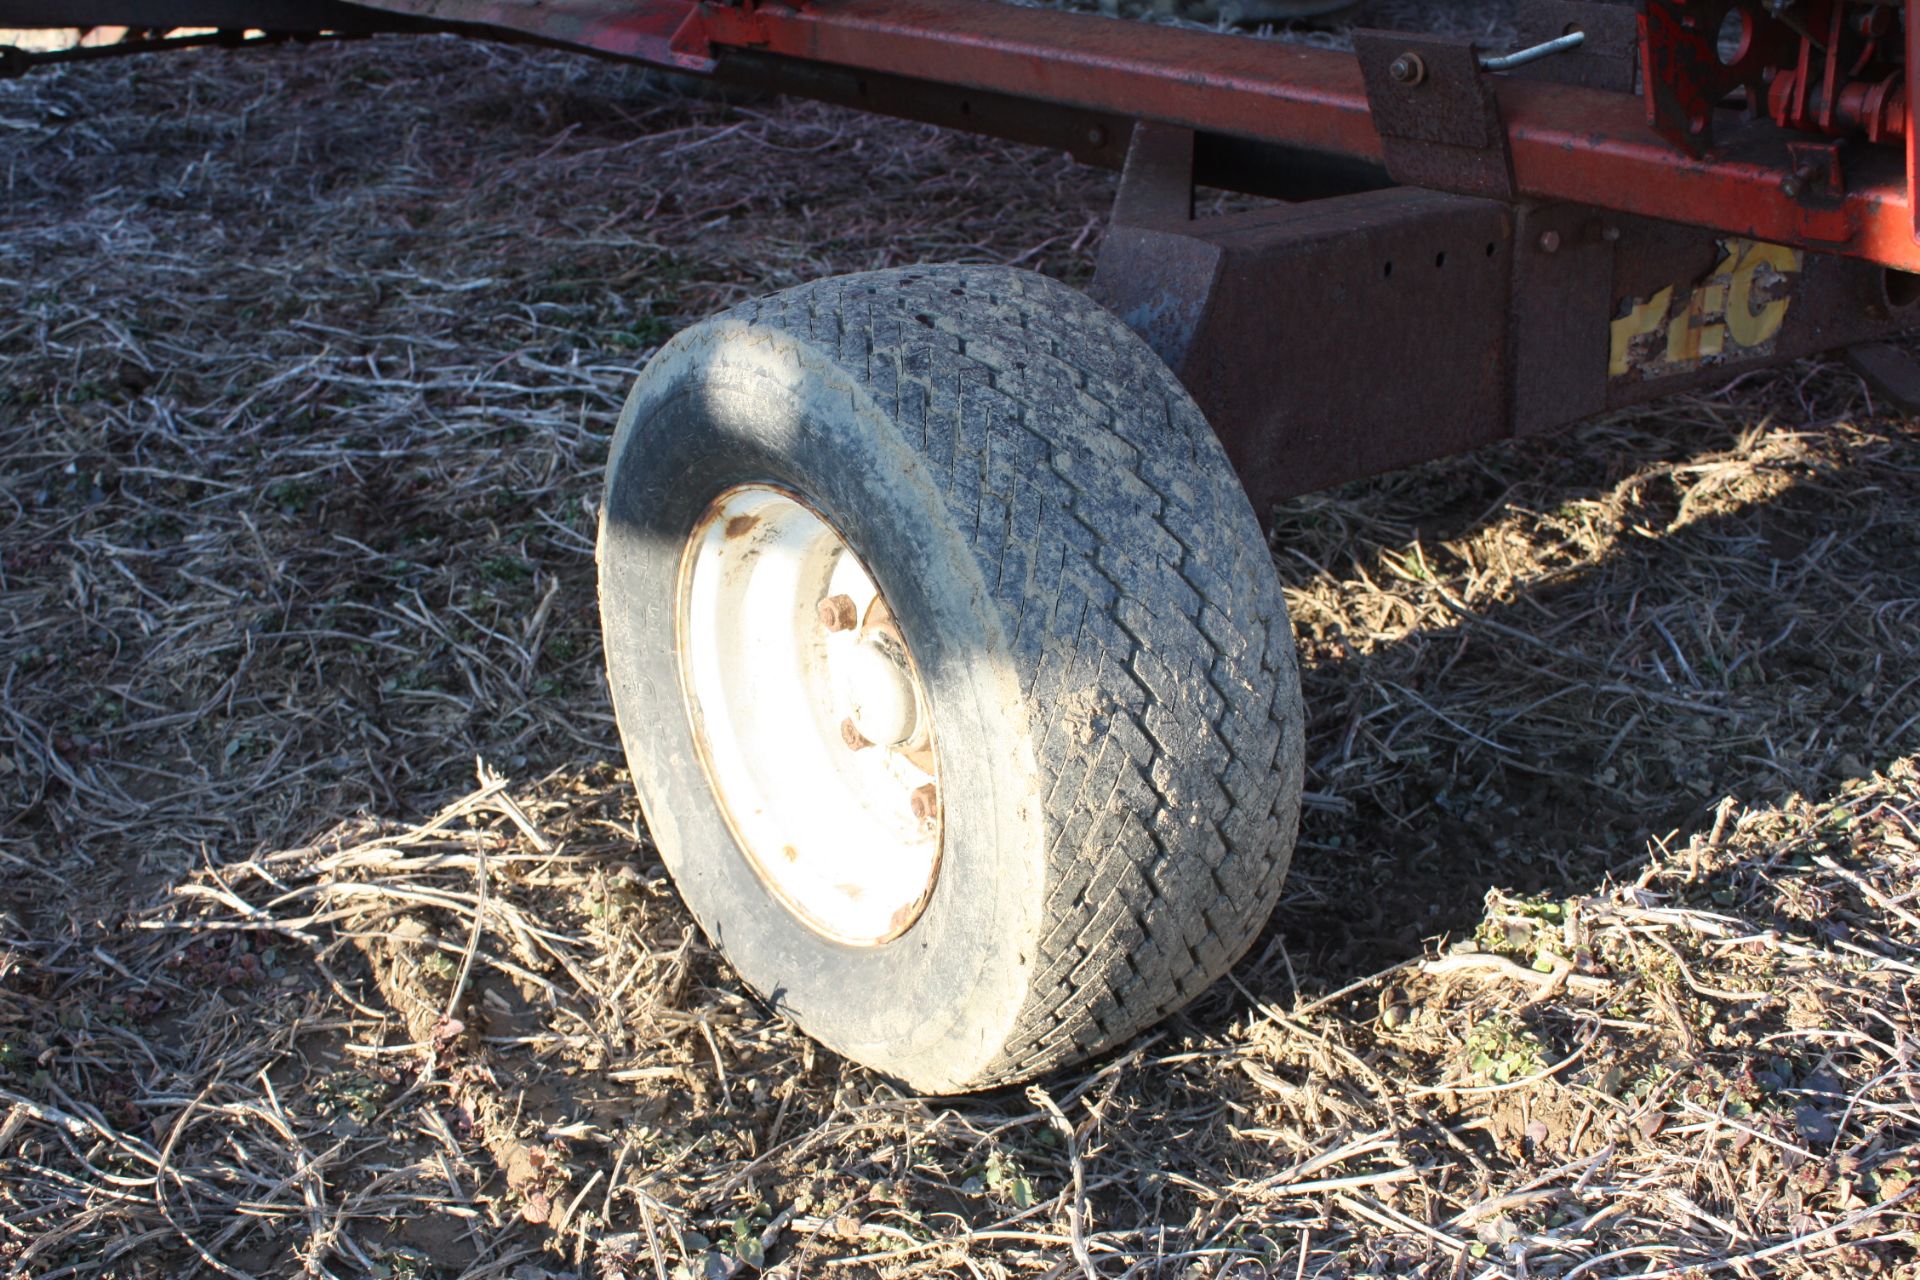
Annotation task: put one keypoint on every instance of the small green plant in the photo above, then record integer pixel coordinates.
(352, 1095)
(505, 569)
(1527, 929)
(648, 331)
(622, 890)
(743, 1237)
(739, 1245)
(293, 496)
(1006, 1180)
(1889, 1181)
(1502, 1050)
(1634, 1086)
(403, 1264)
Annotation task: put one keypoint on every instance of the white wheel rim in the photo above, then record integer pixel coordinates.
(785, 642)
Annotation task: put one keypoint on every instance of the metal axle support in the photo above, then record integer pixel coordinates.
(1342, 337)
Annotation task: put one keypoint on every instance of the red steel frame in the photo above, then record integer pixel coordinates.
(1579, 145)
(1562, 142)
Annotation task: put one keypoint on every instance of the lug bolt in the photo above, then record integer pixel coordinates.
(838, 613)
(851, 735)
(1408, 69)
(926, 802)
(1800, 181)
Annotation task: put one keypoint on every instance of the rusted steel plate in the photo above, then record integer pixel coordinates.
(1438, 116)
(1563, 286)
(1325, 340)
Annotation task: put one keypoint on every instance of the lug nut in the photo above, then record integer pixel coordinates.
(839, 613)
(926, 802)
(1408, 69)
(851, 735)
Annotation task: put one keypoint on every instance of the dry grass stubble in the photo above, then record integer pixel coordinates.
(309, 360)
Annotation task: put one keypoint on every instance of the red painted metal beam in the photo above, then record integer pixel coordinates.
(1263, 89)
(1569, 143)
(1592, 147)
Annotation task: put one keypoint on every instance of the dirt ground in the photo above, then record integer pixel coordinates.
(331, 942)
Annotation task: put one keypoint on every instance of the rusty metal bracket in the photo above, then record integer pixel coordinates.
(1435, 109)
(1324, 340)
(1157, 184)
(1332, 339)
(1563, 281)
(1153, 272)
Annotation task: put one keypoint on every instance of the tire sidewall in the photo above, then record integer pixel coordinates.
(729, 403)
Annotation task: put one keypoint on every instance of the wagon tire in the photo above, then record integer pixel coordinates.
(972, 511)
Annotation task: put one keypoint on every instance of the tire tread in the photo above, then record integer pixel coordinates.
(1141, 606)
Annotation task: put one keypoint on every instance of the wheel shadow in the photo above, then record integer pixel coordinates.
(1523, 665)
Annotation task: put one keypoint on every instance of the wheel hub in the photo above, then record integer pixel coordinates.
(881, 694)
(810, 716)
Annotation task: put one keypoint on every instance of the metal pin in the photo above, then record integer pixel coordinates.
(1521, 57)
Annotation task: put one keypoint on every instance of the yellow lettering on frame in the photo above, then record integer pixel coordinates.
(1712, 317)
(1748, 327)
(1645, 318)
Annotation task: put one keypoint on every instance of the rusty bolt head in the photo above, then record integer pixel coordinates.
(851, 735)
(1097, 136)
(926, 803)
(838, 613)
(1549, 242)
(1408, 69)
(1793, 186)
